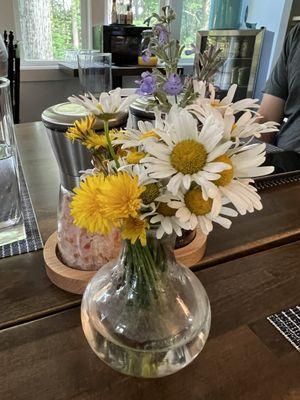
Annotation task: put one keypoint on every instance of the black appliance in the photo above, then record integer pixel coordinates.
(123, 42)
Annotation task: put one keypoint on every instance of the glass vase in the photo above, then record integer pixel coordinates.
(11, 216)
(145, 315)
(78, 248)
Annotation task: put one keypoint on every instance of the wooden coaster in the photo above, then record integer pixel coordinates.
(75, 280)
(193, 253)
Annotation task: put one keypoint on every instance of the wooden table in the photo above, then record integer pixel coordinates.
(245, 357)
(46, 356)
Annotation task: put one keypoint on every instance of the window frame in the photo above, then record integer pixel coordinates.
(86, 28)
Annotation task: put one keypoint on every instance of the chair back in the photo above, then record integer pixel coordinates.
(13, 73)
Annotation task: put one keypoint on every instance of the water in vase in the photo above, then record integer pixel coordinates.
(146, 341)
(11, 221)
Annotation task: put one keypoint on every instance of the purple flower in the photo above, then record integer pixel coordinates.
(193, 50)
(147, 84)
(161, 33)
(146, 56)
(173, 85)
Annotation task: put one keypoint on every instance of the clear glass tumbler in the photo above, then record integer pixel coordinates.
(94, 70)
(11, 219)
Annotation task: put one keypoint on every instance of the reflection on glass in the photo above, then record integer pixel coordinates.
(195, 16)
(11, 220)
(237, 53)
(94, 70)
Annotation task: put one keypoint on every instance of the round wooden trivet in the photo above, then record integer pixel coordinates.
(75, 280)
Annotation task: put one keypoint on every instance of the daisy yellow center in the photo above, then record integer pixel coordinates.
(149, 134)
(134, 157)
(188, 157)
(215, 103)
(150, 193)
(165, 210)
(195, 202)
(234, 126)
(227, 175)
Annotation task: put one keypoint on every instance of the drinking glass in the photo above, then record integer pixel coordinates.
(71, 56)
(11, 219)
(94, 71)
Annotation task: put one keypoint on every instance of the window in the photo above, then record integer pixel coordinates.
(142, 9)
(49, 28)
(195, 17)
(192, 16)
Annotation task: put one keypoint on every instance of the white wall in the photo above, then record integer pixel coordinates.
(274, 16)
(42, 89)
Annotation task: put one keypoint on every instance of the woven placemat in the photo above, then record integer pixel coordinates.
(33, 240)
(288, 324)
(270, 181)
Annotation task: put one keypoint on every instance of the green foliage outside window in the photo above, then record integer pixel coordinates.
(65, 26)
(49, 28)
(142, 9)
(195, 16)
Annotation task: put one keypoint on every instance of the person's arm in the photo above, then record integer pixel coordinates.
(271, 109)
(277, 89)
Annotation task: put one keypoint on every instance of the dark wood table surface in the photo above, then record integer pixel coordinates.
(245, 358)
(45, 354)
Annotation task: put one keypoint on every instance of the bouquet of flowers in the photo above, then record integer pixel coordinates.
(191, 168)
(181, 172)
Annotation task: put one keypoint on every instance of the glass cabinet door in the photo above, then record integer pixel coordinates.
(237, 55)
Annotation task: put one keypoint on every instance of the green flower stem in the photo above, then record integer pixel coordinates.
(150, 262)
(143, 268)
(146, 277)
(110, 147)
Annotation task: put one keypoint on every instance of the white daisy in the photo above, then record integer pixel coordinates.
(194, 210)
(108, 105)
(186, 155)
(234, 183)
(246, 126)
(203, 103)
(146, 132)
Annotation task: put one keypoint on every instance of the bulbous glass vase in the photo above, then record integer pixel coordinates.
(145, 315)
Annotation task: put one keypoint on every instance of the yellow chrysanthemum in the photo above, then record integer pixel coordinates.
(81, 128)
(93, 140)
(121, 196)
(134, 156)
(86, 206)
(134, 229)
